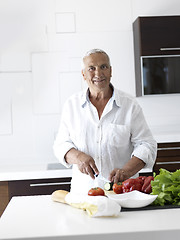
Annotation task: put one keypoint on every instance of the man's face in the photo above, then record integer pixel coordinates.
(97, 71)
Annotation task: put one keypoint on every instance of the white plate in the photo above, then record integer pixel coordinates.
(134, 199)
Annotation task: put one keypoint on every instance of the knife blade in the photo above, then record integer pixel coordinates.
(101, 177)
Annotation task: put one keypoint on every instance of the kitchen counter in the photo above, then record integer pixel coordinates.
(166, 133)
(25, 172)
(38, 217)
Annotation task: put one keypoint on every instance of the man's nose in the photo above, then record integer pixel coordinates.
(98, 72)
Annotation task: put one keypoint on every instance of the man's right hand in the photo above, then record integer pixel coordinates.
(86, 163)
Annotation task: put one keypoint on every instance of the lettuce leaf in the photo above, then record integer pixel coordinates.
(167, 186)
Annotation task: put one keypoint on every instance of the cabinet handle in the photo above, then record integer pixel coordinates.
(160, 163)
(169, 148)
(169, 49)
(48, 184)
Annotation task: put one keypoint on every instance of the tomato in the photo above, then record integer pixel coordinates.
(96, 192)
(117, 188)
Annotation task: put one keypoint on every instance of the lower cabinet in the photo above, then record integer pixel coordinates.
(4, 196)
(168, 157)
(10, 189)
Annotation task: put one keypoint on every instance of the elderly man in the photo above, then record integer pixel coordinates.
(103, 130)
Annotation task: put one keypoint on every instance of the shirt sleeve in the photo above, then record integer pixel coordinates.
(145, 147)
(63, 142)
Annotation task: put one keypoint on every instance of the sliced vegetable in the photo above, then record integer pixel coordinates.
(108, 186)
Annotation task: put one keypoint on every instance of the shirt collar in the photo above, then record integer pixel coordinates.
(115, 97)
(85, 97)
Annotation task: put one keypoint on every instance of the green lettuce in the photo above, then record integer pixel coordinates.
(167, 186)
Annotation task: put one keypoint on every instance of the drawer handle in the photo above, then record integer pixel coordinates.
(169, 49)
(160, 163)
(48, 184)
(169, 148)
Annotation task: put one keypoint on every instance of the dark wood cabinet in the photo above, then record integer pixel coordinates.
(157, 35)
(37, 187)
(168, 157)
(4, 196)
(10, 189)
(154, 37)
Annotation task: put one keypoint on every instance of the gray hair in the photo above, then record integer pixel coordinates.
(92, 51)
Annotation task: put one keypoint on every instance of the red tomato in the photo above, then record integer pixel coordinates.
(117, 188)
(96, 192)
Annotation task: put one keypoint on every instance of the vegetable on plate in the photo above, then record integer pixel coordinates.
(141, 183)
(117, 188)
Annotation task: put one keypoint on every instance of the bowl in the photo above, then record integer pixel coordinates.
(134, 199)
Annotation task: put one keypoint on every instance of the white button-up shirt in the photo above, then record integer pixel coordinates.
(111, 140)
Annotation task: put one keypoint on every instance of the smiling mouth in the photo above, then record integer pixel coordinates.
(98, 81)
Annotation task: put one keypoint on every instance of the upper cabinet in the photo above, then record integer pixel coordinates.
(157, 55)
(157, 35)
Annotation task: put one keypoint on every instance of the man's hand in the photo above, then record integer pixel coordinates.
(129, 169)
(118, 175)
(86, 163)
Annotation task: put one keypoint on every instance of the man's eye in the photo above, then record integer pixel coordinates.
(91, 68)
(104, 66)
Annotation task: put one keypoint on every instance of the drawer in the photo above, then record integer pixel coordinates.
(168, 157)
(170, 166)
(38, 187)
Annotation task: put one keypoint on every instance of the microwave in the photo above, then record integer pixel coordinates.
(160, 74)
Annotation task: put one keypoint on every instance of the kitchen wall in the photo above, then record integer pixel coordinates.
(41, 46)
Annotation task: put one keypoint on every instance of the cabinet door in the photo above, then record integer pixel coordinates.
(4, 196)
(159, 35)
(38, 186)
(168, 157)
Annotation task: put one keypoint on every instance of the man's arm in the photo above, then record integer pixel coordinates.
(86, 163)
(133, 166)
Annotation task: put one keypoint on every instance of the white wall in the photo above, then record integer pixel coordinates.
(41, 45)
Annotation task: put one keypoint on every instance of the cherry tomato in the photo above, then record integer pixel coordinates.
(96, 192)
(117, 188)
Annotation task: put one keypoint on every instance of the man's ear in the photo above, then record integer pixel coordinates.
(82, 72)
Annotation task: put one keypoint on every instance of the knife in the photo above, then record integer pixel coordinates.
(101, 177)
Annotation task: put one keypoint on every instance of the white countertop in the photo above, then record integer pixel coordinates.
(166, 134)
(38, 217)
(25, 172)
